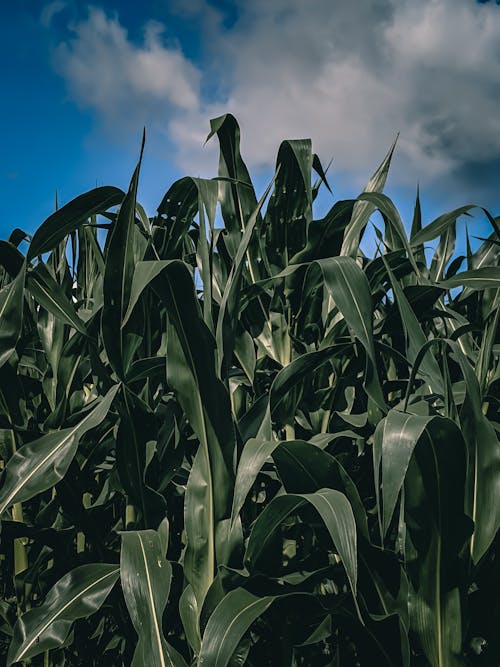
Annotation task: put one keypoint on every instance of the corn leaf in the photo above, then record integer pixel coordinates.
(72, 216)
(41, 463)
(78, 594)
(145, 576)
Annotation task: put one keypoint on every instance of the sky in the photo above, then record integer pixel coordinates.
(80, 81)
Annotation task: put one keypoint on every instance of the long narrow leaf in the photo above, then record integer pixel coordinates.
(350, 291)
(231, 619)
(253, 457)
(11, 315)
(41, 463)
(478, 279)
(119, 270)
(78, 594)
(145, 576)
(363, 209)
(71, 216)
(336, 513)
(49, 294)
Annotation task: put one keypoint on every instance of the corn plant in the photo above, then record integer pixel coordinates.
(229, 437)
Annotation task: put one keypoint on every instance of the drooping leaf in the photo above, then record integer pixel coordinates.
(175, 215)
(336, 513)
(439, 225)
(10, 258)
(78, 594)
(283, 400)
(71, 216)
(390, 212)
(144, 275)
(236, 193)
(325, 236)
(305, 468)
(395, 439)
(41, 463)
(49, 294)
(226, 626)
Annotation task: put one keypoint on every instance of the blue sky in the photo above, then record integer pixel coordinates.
(81, 80)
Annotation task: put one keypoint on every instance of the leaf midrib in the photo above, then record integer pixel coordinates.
(63, 608)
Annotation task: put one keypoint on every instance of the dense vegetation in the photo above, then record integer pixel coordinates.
(229, 437)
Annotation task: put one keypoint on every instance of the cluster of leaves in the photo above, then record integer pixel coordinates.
(249, 443)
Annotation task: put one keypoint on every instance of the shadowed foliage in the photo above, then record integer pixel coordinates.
(229, 437)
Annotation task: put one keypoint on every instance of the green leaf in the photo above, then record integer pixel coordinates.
(175, 215)
(145, 577)
(305, 468)
(207, 204)
(189, 613)
(135, 430)
(191, 373)
(11, 315)
(289, 211)
(10, 258)
(123, 252)
(71, 216)
(144, 275)
(254, 455)
(438, 528)
(338, 517)
(363, 209)
(78, 594)
(236, 192)
(283, 400)
(41, 463)
(244, 350)
(391, 215)
(149, 367)
(415, 337)
(483, 471)
(477, 279)
(49, 294)
(395, 439)
(444, 253)
(200, 523)
(324, 237)
(439, 225)
(336, 513)
(232, 617)
(350, 291)
(229, 308)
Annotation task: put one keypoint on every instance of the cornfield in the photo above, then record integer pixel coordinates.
(229, 437)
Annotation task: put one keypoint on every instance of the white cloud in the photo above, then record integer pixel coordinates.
(349, 75)
(50, 10)
(126, 84)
